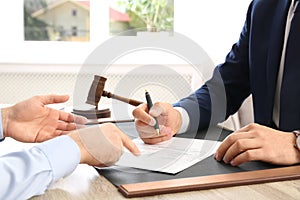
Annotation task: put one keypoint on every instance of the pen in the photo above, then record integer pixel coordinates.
(149, 104)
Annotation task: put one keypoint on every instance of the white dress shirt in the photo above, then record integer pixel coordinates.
(1, 129)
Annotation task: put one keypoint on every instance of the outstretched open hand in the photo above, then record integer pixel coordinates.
(32, 121)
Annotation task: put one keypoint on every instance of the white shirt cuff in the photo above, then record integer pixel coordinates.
(185, 124)
(1, 128)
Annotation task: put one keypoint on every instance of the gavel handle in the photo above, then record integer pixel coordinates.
(120, 98)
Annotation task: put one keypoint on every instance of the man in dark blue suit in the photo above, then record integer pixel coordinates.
(264, 63)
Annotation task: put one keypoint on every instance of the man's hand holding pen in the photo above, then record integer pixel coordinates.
(149, 105)
(168, 118)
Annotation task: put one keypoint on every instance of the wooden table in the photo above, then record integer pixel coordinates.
(86, 184)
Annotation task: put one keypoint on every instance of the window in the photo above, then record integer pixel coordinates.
(130, 16)
(74, 31)
(47, 20)
(74, 13)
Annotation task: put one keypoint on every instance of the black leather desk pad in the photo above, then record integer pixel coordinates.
(208, 166)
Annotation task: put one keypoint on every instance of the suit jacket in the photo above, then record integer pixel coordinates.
(251, 67)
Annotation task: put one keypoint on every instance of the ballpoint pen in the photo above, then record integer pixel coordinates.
(149, 104)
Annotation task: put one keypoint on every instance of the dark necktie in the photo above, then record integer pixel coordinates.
(290, 88)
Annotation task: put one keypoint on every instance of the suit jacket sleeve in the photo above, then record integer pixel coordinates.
(228, 87)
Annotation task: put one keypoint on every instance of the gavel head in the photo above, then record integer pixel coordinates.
(96, 90)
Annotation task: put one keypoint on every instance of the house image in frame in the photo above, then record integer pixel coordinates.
(66, 20)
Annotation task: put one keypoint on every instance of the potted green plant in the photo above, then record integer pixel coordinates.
(150, 15)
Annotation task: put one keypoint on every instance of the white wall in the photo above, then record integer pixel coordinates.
(214, 24)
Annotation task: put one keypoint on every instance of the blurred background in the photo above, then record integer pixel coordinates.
(45, 43)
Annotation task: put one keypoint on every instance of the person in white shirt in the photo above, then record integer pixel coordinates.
(62, 147)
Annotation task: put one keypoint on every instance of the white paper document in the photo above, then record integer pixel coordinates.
(170, 156)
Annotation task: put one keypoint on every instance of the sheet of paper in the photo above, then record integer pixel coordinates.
(170, 156)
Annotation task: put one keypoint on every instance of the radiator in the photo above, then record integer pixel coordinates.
(19, 82)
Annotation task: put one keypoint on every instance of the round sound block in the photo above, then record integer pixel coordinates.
(91, 112)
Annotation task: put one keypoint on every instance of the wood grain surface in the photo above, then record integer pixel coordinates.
(86, 184)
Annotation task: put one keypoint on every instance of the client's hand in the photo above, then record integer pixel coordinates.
(32, 121)
(168, 118)
(102, 145)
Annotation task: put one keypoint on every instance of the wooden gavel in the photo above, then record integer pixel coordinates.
(97, 90)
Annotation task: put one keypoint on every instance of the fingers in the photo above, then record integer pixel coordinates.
(240, 147)
(157, 109)
(246, 144)
(228, 142)
(129, 144)
(79, 119)
(140, 113)
(247, 156)
(155, 140)
(146, 131)
(60, 132)
(65, 126)
(64, 116)
(53, 98)
(68, 117)
(117, 139)
(145, 122)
